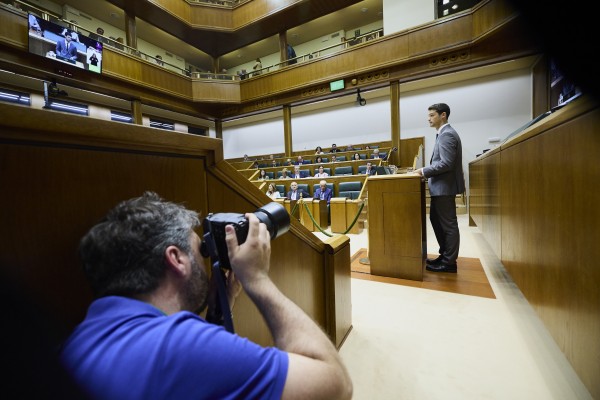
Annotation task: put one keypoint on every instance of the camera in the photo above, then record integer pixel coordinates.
(273, 215)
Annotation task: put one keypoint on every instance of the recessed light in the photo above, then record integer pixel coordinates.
(364, 9)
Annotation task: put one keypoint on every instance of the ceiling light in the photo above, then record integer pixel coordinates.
(364, 9)
(454, 7)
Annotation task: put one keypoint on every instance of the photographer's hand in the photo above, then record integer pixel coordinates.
(315, 369)
(251, 260)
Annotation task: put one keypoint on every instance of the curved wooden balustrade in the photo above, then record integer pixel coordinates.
(454, 43)
(61, 173)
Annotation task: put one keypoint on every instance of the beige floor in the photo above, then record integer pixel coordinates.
(412, 343)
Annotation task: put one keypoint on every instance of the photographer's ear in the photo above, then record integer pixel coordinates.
(176, 260)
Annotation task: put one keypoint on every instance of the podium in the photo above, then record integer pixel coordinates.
(397, 226)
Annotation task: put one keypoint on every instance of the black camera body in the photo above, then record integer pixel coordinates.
(273, 215)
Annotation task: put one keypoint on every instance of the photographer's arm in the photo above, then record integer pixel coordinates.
(315, 368)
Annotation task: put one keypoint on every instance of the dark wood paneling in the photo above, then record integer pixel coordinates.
(61, 173)
(548, 209)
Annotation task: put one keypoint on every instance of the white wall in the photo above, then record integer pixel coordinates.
(255, 137)
(399, 15)
(341, 124)
(481, 108)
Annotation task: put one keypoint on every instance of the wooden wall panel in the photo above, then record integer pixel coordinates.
(487, 14)
(54, 194)
(302, 273)
(438, 36)
(548, 208)
(484, 198)
(61, 173)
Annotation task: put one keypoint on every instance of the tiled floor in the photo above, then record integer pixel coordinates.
(413, 343)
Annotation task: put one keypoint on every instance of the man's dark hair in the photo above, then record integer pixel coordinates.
(124, 253)
(441, 108)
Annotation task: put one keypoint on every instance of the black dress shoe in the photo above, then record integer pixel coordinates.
(433, 261)
(442, 268)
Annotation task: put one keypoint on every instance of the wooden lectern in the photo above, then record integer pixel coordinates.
(397, 230)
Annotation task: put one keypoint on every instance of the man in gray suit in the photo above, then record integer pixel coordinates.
(446, 180)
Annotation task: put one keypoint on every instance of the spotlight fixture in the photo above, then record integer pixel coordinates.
(359, 100)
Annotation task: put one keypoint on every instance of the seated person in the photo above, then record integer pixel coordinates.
(295, 193)
(321, 173)
(349, 148)
(150, 286)
(299, 174)
(274, 164)
(319, 150)
(319, 160)
(263, 174)
(323, 192)
(375, 154)
(299, 161)
(285, 174)
(272, 192)
(334, 148)
(370, 170)
(355, 157)
(333, 158)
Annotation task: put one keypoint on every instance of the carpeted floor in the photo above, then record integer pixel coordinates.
(470, 279)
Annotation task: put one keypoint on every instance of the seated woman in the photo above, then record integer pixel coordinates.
(319, 150)
(356, 157)
(272, 192)
(263, 174)
(321, 173)
(318, 160)
(285, 174)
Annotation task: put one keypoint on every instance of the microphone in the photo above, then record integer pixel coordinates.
(389, 153)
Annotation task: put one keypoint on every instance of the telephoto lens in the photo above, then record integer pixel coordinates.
(273, 215)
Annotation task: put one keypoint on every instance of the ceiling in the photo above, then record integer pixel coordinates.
(354, 16)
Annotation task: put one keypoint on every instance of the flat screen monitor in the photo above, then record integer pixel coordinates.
(381, 170)
(56, 42)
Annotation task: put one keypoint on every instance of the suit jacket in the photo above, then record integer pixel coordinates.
(302, 192)
(61, 49)
(445, 174)
(303, 174)
(327, 193)
(372, 172)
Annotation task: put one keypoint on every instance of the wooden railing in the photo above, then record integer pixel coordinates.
(61, 173)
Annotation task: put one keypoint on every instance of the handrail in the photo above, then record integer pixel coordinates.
(318, 53)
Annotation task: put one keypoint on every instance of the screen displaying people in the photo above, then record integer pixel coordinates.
(62, 44)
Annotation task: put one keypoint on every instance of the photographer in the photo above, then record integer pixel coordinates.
(142, 337)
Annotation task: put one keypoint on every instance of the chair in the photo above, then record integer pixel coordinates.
(325, 159)
(341, 158)
(346, 170)
(328, 170)
(281, 190)
(304, 186)
(350, 190)
(363, 156)
(306, 161)
(305, 173)
(269, 174)
(362, 169)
